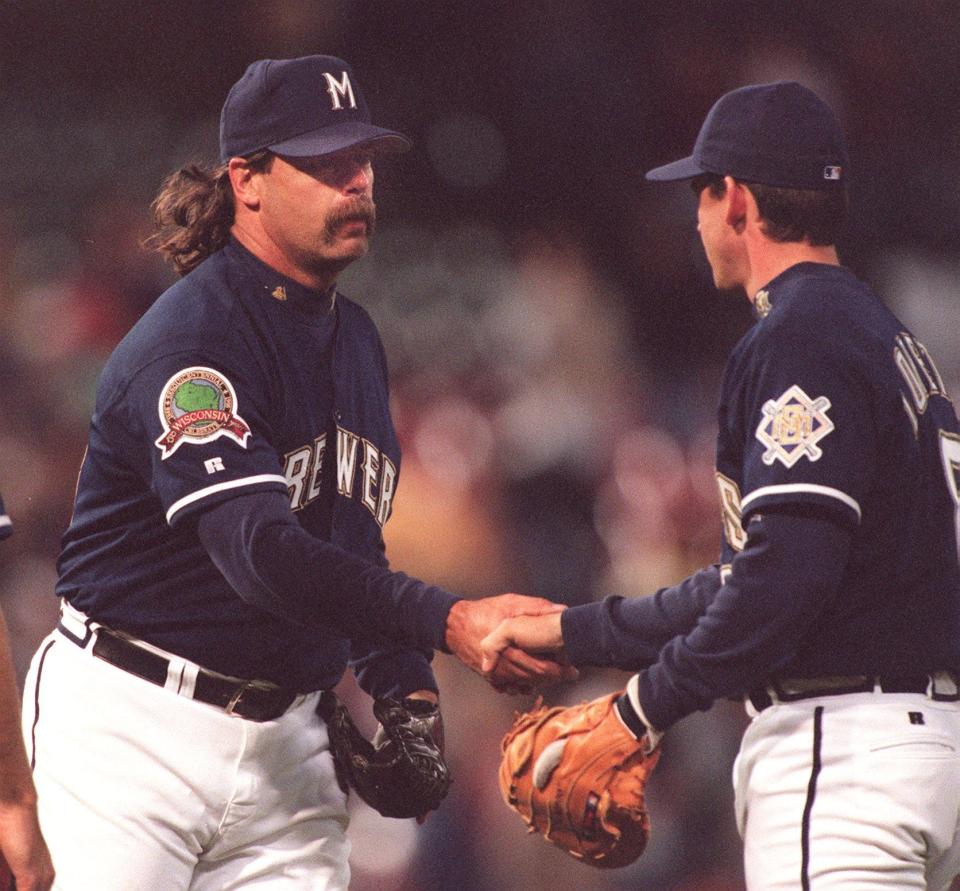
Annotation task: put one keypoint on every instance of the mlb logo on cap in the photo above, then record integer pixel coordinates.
(780, 134)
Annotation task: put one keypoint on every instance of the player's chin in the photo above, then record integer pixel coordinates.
(339, 255)
(725, 282)
(347, 247)
(355, 248)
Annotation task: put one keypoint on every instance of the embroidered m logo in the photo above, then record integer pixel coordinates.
(792, 426)
(340, 91)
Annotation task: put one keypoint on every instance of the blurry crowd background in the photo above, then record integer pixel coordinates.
(554, 339)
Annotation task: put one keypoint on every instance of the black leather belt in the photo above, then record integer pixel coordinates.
(253, 700)
(809, 688)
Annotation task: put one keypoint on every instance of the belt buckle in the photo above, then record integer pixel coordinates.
(231, 706)
(236, 700)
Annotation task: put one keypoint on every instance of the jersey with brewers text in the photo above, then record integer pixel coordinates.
(829, 404)
(237, 380)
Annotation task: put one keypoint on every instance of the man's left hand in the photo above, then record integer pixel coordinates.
(402, 773)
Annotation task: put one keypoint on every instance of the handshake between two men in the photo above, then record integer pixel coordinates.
(402, 772)
(513, 641)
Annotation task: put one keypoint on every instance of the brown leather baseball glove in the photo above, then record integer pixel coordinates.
(577, 775)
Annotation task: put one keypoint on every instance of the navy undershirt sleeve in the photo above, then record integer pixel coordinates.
(629, 633)
(787, 573)
(391, 670)
(273, 563)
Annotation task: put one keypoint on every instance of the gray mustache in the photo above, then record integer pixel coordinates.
(361, 211)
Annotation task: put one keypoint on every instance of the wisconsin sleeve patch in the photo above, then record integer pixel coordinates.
(198, 405)
(792, 426)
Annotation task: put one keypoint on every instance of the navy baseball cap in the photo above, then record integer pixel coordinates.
(780, 134)
(300, 107)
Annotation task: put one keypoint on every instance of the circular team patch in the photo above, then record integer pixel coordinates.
(198, 405)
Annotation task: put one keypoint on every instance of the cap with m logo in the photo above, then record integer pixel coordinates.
(300, 107)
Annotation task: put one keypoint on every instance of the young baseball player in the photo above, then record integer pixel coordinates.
(225, 559)
(22, 848)
(835, 608)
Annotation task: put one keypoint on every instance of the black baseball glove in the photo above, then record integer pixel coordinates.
(402, 772)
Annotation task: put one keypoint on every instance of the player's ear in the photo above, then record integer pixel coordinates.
(738, 204)
(245, 183)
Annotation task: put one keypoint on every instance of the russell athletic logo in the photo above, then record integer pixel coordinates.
(198, 405)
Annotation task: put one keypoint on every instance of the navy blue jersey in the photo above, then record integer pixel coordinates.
(829, 401)
(838, 462)
(236, 381)
(6, 527)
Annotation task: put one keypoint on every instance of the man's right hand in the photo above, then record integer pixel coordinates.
(540, 635)
(470, 621)
(23, 847)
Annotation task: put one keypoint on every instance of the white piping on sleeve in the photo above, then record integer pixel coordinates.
(222, 487)
(803, 487)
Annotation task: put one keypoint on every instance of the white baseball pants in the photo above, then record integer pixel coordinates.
(140, 788)
(858, 792)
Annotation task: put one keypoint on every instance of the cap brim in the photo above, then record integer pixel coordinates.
(685, 168)
(339, 137)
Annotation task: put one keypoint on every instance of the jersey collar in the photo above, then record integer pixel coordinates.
(766, 297)
(280, 288)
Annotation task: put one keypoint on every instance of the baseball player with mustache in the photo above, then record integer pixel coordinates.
(225, 560)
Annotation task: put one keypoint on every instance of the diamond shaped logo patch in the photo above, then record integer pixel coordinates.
(792, 426)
